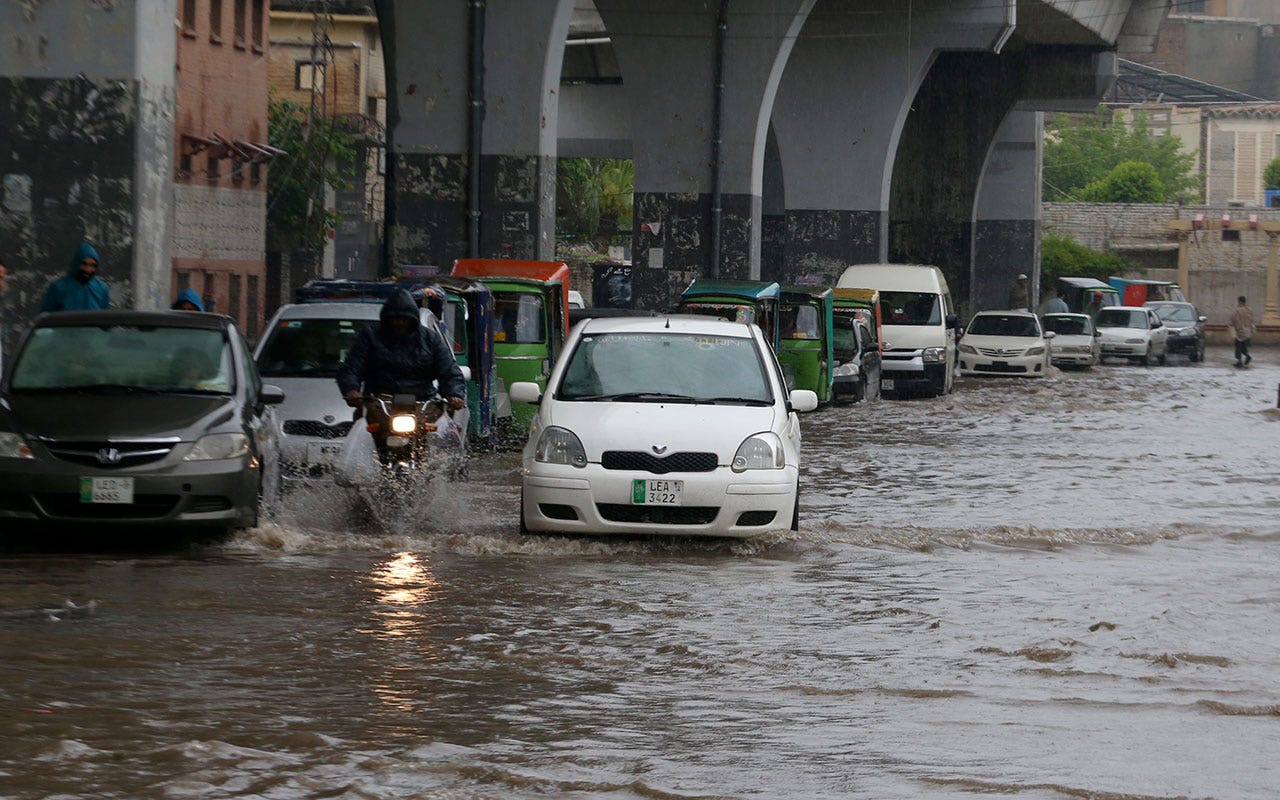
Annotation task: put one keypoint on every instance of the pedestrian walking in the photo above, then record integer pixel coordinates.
(1018, 295)
(1242, 328)
(80, 289)
(188, 300)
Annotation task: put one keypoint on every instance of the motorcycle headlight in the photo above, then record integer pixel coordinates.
(1038, 350)
(13, 446)
(560, 446)
(934, 354)
(403, 423)
(1135, 341)
(760, 451)
(968, 348)
(219, 446)
(845, 370)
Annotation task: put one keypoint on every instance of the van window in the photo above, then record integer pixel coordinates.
(910, 308)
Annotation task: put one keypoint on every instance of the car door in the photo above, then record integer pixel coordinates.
(870, 362)
(1159, 332)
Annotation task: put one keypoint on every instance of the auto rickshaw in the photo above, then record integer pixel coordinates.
(1134, 292)
(1088, 295)
(737, 301)
(530, 321)
(857, 356)
(805, 352)
(468, 317)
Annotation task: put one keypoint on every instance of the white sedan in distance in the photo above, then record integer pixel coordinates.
(1134, 333)
(1075, 340)
(673, 425)
(1005, 343)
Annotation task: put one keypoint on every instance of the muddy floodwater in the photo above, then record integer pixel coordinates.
(1066, 588)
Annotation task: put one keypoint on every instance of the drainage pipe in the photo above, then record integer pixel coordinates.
(717, 117)
(475, 127)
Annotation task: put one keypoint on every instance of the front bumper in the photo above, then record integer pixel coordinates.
(594, 500)
(911, 373)
(197, 493)
(1124, 350)
(1073, 359)
(1184, 344)
(848, 386)
(1017, 366)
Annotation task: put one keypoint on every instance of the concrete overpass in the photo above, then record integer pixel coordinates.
(771, 138)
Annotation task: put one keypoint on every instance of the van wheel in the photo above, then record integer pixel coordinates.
(795, 512)
(524, 529)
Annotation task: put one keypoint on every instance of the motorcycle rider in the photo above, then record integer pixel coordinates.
(399, 355)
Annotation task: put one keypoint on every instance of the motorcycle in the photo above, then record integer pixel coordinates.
(403, 428)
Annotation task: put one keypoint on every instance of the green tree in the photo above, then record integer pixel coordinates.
(1129, 182)
(1062, 257)
(1080, 154)
(593, 195)
(297, 217)
(1271, 175)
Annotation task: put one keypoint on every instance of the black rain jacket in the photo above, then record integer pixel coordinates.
(384, 362)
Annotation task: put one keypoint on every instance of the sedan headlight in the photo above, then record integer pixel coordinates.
(1187, 332)
(970, 349)
(219, 446)
(1135, 341)
(761, 451)
(1038, 350)
(845, 370)
(14, 446)
(934, 354)
(560, 446)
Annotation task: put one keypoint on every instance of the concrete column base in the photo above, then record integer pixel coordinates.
(1003, 248)
(517, 208)
(672, 243)
(820, 244)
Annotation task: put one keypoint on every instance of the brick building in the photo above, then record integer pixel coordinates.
(221, 156)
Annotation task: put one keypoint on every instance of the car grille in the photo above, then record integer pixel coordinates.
(658, 515)
(900, 353)
(999, 353)
(310, 427)
(643, 462)
(1000, 368)
(100, 456)
(144, 506)
(204, 504)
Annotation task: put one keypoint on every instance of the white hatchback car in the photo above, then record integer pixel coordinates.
(671, 425)
(1075, 341)
(1005, 343)
(1134, 333)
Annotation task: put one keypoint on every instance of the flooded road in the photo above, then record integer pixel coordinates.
(1056, 589)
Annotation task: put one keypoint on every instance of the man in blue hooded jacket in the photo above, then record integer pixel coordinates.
(401, 356)
(188, 300)
(80, 289)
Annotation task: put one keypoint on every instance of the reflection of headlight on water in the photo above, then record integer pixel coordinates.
(403, 582)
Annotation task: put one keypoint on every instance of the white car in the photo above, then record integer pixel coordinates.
(672, 425)
(1134, 333)
(1075, 341)
(1005, 343)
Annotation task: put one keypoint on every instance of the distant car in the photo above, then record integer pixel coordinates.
(1075, 341)
(134, 418)
(1186, 327)
(671, 425)
(576, 299)
(1005, 343)
(1134, 333)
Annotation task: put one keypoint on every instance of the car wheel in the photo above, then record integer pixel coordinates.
(795, 512)
(524, 529)
(1146, 357)
(1164, 357)
(1197, 353)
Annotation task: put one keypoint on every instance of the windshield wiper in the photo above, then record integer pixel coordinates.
(734, 401)
(639, 397)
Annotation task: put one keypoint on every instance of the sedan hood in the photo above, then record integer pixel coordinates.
(1007, 343)
(1120, 334)
(316, 399)
(1061, 340)
(913, 337)
(99, 417)
(675, 427)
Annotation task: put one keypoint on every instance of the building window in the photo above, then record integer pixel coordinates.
(184, 166)
(237, 171)
(308, 75)
(257, 23)
(183, 280)
(233, 298)
(255, 173)
(238, 23)
(1230, 235)
(1190, 7)
(251, 308)
(189, 17)
(215, 21)
(211, 169)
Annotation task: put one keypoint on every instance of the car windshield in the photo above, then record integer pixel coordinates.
(518, 318)
(1003, 325)
(661, 367)
(910, 308)
(799, 322)
(147, 358)
(845, 337)
(1067, 326)
(1122, 318)
(455, 321)
(308, 348)
(1175, 313)
(730, 311)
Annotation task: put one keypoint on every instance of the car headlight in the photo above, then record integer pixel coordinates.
(845, 370)
(560, 446)
(219, 446)
(760, 451)
(970, 349)
(1135, 341)
(1187, 332)
(13, 445)
(1038, 350)
(934, 354)
(403, 423)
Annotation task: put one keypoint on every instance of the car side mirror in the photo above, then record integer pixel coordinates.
(525, 392)
(1202, 319)
(1049, 334)
(466, 372)
(1097, 334)
(803, 400)
(270, 395)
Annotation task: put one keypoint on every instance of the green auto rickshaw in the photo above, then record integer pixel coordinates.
(805, 323)
(468, 317)
(737, 301)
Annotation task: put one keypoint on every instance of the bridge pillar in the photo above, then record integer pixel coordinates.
(840, 111)
(429, 112)
(1006, 228)
(666, 51)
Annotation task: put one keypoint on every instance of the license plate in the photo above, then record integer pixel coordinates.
(322, 452)
(999, 363)
(106, 490)
(886, 383)
(647, 492)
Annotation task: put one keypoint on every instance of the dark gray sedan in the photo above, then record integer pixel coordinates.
(1185, 324)
(134, 418)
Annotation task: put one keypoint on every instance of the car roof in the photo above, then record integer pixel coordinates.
(1126, 308)
(670, 323)
(162, 319)
(1088, 283)
(1154, 303)
(1009, 313)
(1066, 314)
(336, 310)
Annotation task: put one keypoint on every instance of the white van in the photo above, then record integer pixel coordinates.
(918, 325)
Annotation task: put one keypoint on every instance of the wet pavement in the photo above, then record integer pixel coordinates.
(1038, 589)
